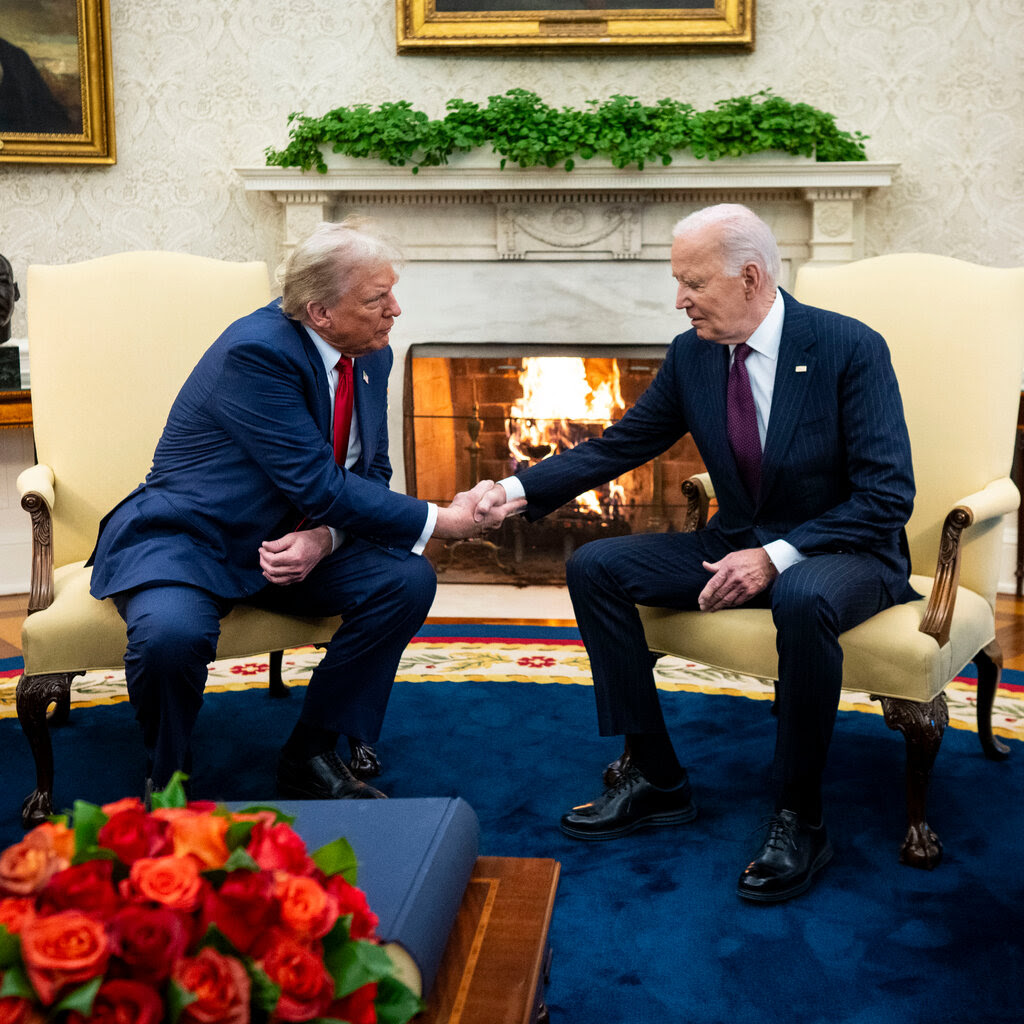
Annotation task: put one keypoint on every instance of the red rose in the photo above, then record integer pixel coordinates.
(61, 951)
(306, 987)
(221, 987)
(306, 909)
(242, 908)
(131, 833)
(174, 882)
(15, 911)
(353, 901)
(122, 1001)
(19, 1011)
(357, 1007)
(27, 866)
(279, 848)
(148, 940)
(86, 887)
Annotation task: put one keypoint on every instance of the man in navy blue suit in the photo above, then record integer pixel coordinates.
(797, 415)
(258, 494)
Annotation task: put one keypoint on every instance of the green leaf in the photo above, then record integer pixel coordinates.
(16, 983)
(337, 858)
(173, 794)
(395, 1002)
(10, 948)
(356, 964)
(240, 860)
(265, 994)
(177, 999)
(88, 819)
(81, 998)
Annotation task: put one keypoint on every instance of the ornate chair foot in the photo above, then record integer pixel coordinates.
(922, 726)
(363, 763)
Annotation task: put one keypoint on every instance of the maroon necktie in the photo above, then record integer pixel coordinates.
(342, 410)
(741, 420)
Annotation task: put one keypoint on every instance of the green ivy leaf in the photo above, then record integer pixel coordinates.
(396, 1003)
(173, 794)
(355, 964)
(88, 819)
(80, 999)
(16, 984)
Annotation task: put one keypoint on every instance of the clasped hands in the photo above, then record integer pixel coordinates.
(472, 513)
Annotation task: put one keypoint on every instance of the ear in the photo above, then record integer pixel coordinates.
(318, 315)
(752, 279)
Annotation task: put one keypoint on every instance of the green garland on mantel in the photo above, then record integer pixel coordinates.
(523, 129)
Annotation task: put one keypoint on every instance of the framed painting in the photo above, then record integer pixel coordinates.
(56, 89)
(453, 25)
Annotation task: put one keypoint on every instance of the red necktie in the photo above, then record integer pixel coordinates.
(741, 422)
(342, 410)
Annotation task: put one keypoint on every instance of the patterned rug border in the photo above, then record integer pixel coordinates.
(557, 661)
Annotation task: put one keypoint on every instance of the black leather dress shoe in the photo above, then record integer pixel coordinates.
(785, 865)
(323, 777)
(363, 761)
(631, 803)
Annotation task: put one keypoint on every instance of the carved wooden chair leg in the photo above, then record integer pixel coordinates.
(922, 726)
(34, 696)
(989, 662)
(277, 686)
(60, 711)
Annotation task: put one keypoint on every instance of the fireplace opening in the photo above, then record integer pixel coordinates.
(476, 411)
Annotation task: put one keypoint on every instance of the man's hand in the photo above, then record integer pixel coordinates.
(737, 578)
(494, 507)
(292, 557)
(462, 518)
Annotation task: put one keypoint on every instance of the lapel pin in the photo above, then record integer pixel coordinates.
(366, 379)
(799, 369)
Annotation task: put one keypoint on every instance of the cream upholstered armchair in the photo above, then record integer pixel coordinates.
(111, 340)
(956, 332)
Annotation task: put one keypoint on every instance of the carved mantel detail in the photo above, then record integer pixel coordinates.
(593, 212)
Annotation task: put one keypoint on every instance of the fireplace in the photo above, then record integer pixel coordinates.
(484, 411)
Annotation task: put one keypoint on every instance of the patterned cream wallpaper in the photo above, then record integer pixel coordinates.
(203, 87)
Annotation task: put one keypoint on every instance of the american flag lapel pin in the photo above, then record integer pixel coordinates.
(797, 369)
(366, 379)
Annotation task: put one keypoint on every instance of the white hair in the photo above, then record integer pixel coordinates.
(744, 236)
(323, 266)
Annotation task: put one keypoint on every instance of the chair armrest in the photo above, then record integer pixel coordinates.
(35, 485)
(698, 492)
(993, 502)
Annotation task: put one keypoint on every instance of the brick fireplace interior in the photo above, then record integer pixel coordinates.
(483, 411)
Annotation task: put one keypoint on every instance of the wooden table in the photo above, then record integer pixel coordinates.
(496, 962)
(16, 408)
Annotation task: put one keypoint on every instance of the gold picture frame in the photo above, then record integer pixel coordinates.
(57, 91)
(454, 25)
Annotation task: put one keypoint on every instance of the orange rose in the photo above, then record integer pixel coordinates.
(305, 909)
(61, 951)
(170, 881)
(27, 866)
(16, 912)
(201, 836)
(128, 803)
(220, 984)
(57, 837)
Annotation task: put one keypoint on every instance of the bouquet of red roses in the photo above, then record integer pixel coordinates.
(187, 914)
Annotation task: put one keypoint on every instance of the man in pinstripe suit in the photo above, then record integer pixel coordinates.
(810, 523)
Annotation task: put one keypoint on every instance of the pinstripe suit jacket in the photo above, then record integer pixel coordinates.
(836, 473)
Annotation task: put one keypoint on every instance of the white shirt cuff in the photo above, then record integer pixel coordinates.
(336, 538)
(783, 554)
(513, 488)
(428, 529)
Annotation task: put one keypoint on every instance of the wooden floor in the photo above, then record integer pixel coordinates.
(1009, 627)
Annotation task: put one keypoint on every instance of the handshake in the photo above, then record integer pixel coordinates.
(472, 513)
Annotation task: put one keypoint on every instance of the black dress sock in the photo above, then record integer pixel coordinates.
(655, 758)
(308, 741)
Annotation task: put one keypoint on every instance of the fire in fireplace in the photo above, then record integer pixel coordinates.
(485, 411)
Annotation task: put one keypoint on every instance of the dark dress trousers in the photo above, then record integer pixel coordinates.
(245, 456)
(836, 483)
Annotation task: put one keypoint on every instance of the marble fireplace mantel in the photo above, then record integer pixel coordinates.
(472, 210)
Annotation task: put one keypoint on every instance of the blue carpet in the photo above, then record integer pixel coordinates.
(649, 929)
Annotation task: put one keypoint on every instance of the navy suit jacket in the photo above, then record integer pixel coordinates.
(836, 474)
(245, 455)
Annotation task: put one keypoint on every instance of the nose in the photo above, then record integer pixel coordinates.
(393, 308)
(683, 298)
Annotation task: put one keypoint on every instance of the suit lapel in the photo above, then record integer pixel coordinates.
(322, 410)
(794, 375)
